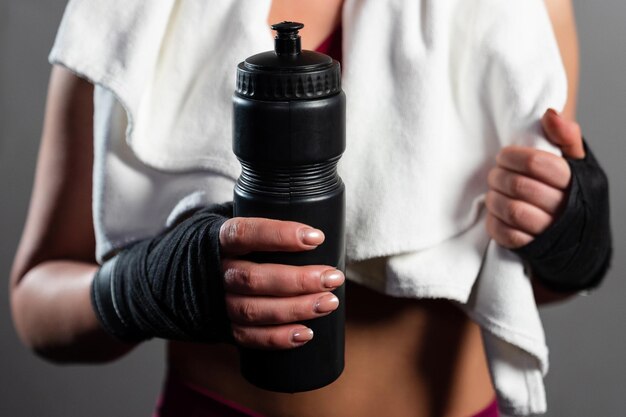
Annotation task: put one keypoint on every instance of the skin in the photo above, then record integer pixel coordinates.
(261, 298)
(436, 356)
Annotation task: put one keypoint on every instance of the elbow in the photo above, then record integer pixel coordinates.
(27, 328)
(53, 342)
(53, 316)
(21, 320)
(21, 308)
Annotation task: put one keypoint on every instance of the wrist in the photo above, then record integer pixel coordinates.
(109, 304)
(169, 286)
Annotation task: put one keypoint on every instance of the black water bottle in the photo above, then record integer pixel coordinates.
(288, 134)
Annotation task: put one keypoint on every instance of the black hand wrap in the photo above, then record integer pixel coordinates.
(574, 253)
(169, 286)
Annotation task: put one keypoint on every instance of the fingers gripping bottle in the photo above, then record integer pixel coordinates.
(288, 134)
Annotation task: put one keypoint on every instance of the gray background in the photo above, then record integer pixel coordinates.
(587, 336)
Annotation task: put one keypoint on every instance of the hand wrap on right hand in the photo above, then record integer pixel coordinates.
(169, 286)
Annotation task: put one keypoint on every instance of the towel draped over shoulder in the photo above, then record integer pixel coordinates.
(434, 89)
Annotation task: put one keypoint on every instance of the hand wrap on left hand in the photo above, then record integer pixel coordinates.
(574, 253)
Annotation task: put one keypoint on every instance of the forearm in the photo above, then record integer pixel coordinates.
(53, 314)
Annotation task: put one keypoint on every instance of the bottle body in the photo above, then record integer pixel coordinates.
(289, 152)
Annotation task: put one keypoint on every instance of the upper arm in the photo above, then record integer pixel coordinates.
(59, 222)
(561, 13)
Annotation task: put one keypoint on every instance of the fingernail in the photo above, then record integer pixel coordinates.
(302, 335)
(553, 112)
(326, 304)
(311, 237)
(332, 278)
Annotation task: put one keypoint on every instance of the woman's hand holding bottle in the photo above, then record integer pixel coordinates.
(265, 301)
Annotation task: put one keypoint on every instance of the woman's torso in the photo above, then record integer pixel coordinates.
(404, 357)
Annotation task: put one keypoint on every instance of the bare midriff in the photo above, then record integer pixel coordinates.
(404, 357)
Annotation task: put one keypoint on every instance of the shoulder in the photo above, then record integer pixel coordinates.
(112, 42)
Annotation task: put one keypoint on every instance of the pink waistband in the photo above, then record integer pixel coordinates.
(183, 399)
(490, 411)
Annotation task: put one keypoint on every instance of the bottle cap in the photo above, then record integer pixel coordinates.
(288, 72)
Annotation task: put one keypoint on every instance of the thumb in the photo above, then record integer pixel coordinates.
(563, 133)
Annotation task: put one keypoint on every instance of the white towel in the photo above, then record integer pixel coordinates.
(434, 87)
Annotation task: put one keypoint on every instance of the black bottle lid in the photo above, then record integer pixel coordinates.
(288, 72)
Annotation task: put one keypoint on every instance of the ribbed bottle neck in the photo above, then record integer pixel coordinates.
(289, 182)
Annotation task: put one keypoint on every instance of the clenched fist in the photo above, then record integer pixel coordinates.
(528, 187)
